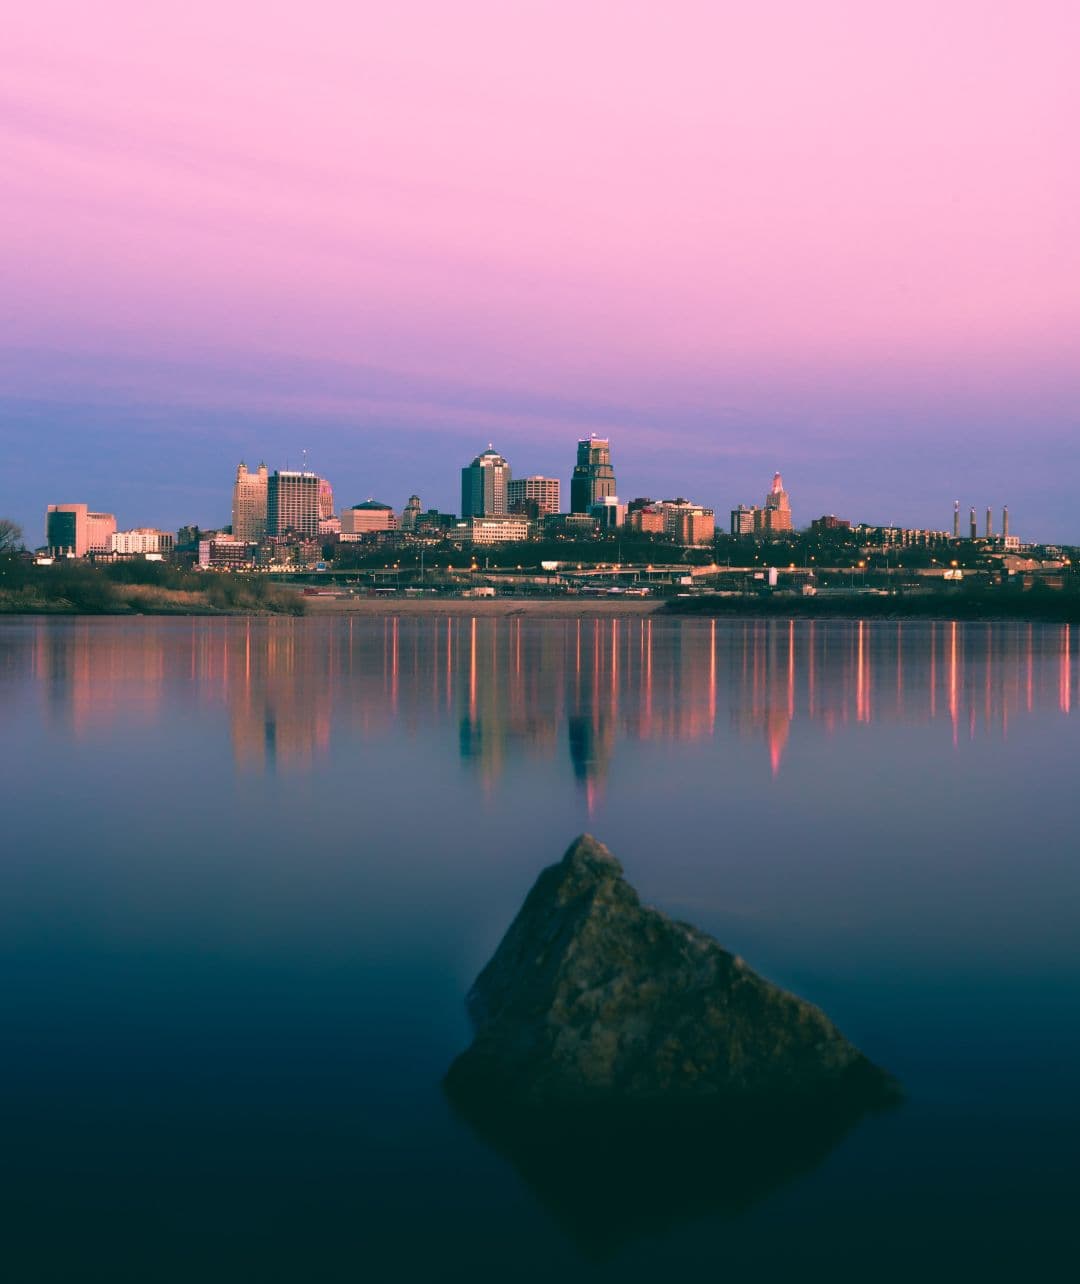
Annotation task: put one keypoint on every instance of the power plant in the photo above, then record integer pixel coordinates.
(973, 529)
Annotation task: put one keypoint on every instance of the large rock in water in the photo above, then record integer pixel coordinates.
(593, 998)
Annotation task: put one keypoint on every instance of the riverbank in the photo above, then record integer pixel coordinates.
(551, 608)
(988, 606)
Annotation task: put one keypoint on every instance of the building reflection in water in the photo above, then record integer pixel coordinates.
(518, 689)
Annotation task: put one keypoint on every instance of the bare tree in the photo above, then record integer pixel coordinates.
(10, 535)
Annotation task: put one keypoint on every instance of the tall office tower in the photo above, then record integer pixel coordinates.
(484, 486)
(100, 528)
(956, 520)
(973, 527)
(1005, 522)
(989, 522)
(543, 493)
(65, 530)
(593, 478)
(776, 515)
(249, 503)
(292, 504)
(411, 513)
(326, 500)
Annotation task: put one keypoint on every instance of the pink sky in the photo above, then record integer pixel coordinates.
(671, 204)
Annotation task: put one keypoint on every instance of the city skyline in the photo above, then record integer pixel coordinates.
(253, 507)
(404, 256)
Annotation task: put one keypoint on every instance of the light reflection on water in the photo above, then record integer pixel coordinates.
(517, 686)
(253, 865)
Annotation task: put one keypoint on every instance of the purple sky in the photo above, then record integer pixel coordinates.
(838, 239)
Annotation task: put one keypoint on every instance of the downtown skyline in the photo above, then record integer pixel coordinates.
(817, 239)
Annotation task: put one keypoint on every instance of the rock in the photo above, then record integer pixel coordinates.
(593, 999)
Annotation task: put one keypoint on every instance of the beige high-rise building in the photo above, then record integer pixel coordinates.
(326, 500)
(543, 492)
(249, 503)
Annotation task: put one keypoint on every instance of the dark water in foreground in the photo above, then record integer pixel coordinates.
(250, 868)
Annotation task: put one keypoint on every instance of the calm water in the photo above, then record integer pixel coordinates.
(251, 867)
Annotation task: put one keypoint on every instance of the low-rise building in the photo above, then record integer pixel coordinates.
(365, 518)
(829, 522)
(497, 529)
(649, 520)
(695, 525)
(222, 552)
(608, 512)
(142, 541)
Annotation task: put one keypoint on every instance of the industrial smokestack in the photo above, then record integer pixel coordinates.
(1005, 522)
(956, 520)
(989, 522)
(973, 525)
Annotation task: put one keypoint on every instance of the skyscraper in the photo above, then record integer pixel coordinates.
(776, 515)
(292, 504)
(249, 503)
(326, 500)
(485, 486)
(593, 478)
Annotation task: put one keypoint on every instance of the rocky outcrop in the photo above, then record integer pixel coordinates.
(593, 999)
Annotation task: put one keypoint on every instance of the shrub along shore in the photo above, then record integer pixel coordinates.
(137, 588)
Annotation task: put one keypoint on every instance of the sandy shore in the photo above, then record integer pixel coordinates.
(550, 608)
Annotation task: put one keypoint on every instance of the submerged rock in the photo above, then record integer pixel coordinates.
(593, 999)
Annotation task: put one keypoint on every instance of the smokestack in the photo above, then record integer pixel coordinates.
(973, 524)
(956, 520)
(989, 522)
(1005, 522)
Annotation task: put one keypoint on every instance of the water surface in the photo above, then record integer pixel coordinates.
(250, 868)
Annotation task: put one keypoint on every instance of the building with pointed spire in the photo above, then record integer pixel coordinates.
(326, 500)
(776, 515)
